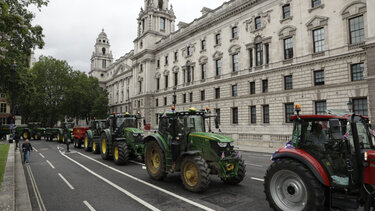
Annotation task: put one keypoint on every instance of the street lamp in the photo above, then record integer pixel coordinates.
(350, 105)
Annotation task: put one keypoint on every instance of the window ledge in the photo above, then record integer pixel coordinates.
(317, 7)
(203, 80)
(286, 19)
(319, 54)
(288, 61)
(203, 51)
(166, 65)
(356, 45)
(234, 73)
(217, 45)
(260, 67)
(218, 77)
(175, 61)
(234, 39)
(256, 30)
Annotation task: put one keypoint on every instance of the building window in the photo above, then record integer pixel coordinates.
(166, 81)
(204, 69)
(3, 107)
(191, 97)
(286, 11)
(259, 54)
(203, 45)
(234, 90)
(265, 86)
(104, 63)
(266, 114)
(184, 98)
(176, 79)
(156, 102)
(141, 67)
(188, 51)
(267, 46)
(166, 60)
(318, 36)
(357, 72)
(218, 39)
(235, 115)
(289, 111)
(217, 93)
(258, 23)
(360, 106)
(162, 24)
(157, 119)
(288, 82)
(175, 56)
(315, 3)
(319, 77)
(158, 63)
(288, 48)
(203, 95)
(157, 83)
(234, 32)
(253, 114)
(218, 67)
(217, 111)
(320, 107)
(252, 87)
(235, 63)
(140, 86)
(357, 30)
(165, 101)
(2, 96)
(251, 57)
(189, 74)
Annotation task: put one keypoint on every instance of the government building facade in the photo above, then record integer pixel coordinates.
(250, 61)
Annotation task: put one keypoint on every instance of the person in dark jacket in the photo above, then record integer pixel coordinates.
(26, 148)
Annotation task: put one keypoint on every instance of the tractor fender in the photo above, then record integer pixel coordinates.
(315, 167)
(61, 131)
(185, 154)
(90, 134)
(108, 135)
(158, 139)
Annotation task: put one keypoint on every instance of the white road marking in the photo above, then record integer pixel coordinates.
(139, 200)
(41, 155)
(142, 164)
(151, 185)
(257, 179)
(144, 167)
(250, 164)
(50, 164)
(66, 181)
(36, 190)
(35, 149)
(89, 206)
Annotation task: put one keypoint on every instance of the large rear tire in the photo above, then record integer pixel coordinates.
(195, 173)
(86, 143)
(155, 161)
(120, 153)
(240, 174)
(105, 147)
(290, 185)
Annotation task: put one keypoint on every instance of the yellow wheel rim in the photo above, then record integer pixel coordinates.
(24, 135)
(154, 161)
(191, 174)
(104, 146)
(35, 137)
(116, 152)
(58, 137)
(94, 147)
(86, 142)
(63, 139)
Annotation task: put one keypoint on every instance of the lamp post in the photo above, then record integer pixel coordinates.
(13, 91)
(174, 96)
(350, 105)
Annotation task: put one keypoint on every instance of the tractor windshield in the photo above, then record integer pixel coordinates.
(194, 123)
(69, 125)
(130, 122)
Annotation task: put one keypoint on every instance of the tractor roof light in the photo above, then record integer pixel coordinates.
(208, 108)
(365, 156)
(192, 109)
(173, 108)
(297, 108)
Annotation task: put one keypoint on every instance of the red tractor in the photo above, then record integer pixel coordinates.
(328, 164)
(79, 136)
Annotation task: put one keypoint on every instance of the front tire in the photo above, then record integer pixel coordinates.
(104, 148)
(155, 161)
(26, 135)
(95, 148)
(86, 143)
(120, 153)
(240, 174)
(289, 185)
(195, 173)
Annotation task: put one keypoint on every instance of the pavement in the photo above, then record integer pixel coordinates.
(14, 194)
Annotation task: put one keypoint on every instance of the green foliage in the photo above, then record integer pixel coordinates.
(4, 148)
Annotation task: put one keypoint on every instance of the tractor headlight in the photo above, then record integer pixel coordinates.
(142, 134)
(222, 144)
(231, 144)
(135, 134)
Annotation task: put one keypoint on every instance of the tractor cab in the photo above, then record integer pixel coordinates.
(119, 122)
(67, 125)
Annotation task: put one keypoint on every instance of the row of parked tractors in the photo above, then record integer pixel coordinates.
(329, 163)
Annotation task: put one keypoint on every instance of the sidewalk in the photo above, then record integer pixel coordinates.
(14, 194)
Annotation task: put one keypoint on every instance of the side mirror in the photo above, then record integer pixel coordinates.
(216, 122)
(335, 128)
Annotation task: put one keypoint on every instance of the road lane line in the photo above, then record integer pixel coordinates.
(139, 200)
(89, 206)
(50, 164)
(151, 185)
(35, 149)
(257, 179)
(66, 181)
(132, 161)
(250, 164)
(36, 190)
(41, 155)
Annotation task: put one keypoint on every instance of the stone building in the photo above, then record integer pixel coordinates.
(250, 61)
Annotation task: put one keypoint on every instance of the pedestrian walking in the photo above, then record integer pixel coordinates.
(26, 148)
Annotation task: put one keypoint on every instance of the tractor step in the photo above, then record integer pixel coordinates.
(345, 202)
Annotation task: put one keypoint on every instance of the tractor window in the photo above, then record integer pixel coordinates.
(119, 121)
(195, 124)
(130, 122)
(363, 136)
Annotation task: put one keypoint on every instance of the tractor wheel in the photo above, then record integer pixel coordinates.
(155, 161)
(195, 173)
(37, 136)
(87, 143)
(120, 153)
(95, 148)
(289, 185)
(105, 147)
(26, 135)
(240, 174)
(59, 137)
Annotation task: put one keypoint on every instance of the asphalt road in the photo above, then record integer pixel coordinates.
(80, 180)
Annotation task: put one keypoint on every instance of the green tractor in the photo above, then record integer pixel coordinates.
(4, 130)
(183, 145)
(65, 132)
(32, 129)
(92, 135)
(122, 140)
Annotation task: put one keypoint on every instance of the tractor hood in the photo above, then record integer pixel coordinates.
(211, 136)
(133, 130)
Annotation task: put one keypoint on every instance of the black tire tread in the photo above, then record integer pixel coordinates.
(123, 153)
(204, 174)
(162, 173)
(241, 172)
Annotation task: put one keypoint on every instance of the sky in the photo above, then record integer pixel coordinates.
(72, 26)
